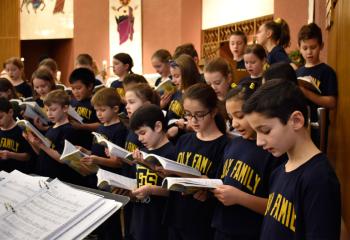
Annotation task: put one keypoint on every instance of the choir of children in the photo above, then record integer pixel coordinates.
(276, 183)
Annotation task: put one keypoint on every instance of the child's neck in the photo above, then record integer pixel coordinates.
(9, 125)
(270, 45)
(114, 120)
(122, 76)
(210, 133)
(61, 122)
(237, 58)
(303, 150)
(312, 64)
(257, 76)
(161, 142)
(16, 82)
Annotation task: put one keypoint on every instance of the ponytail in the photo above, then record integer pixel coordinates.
(280, 31)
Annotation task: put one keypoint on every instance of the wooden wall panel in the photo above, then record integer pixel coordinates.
(9, 29)
(339, 59)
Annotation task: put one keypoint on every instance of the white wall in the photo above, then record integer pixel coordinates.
(220, 12)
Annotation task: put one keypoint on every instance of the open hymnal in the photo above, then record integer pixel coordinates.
(115, 180)
(74, 115)
(189, 185)
(72, 155)
(33, 208)
(64, 87)
(166, 87)
(149, 160)
(29, 128)
(310, 83)
(32, 110)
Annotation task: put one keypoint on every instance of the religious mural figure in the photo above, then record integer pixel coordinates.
(125, 21)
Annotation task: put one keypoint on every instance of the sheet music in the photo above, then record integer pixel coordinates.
(49, 213)
(17, 187)
(3, 175)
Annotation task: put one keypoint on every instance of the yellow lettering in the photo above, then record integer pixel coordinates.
(257, 180)
(238, 170)
(283, 211)
(292, 221)
(271, 195)
(243, 172)
(276, 206)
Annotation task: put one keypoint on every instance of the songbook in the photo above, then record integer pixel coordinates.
(150, 161)
(106, 179)
(29, 128)
(64, 87)
(309, 83)
(32, 111)
(114, 150)
(37, 209)
(72, 155)
(166, 87)
(190, 185)
(74, 115)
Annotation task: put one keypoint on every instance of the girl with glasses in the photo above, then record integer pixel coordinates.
(185, 216)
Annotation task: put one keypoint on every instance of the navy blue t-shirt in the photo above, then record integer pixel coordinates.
(13, 141)
(240, 65)
(326, 80)
(88, 113)
(175, 110)
(248, 168)
(303, 203)
(24, 90)
(152, 211)
(46, 166)
(115, 133)
(183, 211)
(40, 102)
(245, 80)
(277, 54)
(131, 143)
(118, 85)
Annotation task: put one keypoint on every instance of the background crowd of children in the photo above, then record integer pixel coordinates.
(250, 132)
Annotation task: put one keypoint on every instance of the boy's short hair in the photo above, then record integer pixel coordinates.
(86, 76)
(277, 98)
(133, 78)
(241, 34)
(187, 48)
(310, 31)
(84, 59)
(5, 105)
(147, 115)
(281, 70)
(49, 63)
(58, 96)
(106, 97)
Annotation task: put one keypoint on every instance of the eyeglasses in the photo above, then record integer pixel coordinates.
(198, 116)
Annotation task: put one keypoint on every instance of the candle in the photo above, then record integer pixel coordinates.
(104, 64)
(22, 59)
(58, 75)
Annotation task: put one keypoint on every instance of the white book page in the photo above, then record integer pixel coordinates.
(49, 213)
(191, 182)
(116, 180)
(72, 113)
(3, 175)
(174, 166)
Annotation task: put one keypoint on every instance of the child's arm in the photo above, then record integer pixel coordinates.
(85, 126)
(5, 154)
(30, 138)
(37, 144)
(230, 195)
(107, 162)
(147, 190)
(329, 102)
